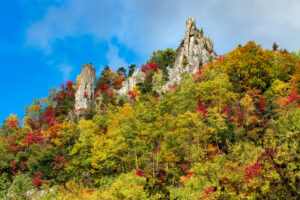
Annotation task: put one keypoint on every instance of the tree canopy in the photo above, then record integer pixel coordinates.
(230, 131)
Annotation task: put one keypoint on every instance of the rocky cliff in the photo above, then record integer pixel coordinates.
(86, 90)
(193, 52)
(137, 77)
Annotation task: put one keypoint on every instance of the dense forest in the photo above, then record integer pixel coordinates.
(229, 131)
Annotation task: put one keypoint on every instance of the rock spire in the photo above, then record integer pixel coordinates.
(193, 52)
(86, 90)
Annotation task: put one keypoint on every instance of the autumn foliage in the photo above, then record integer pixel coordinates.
(230, 131)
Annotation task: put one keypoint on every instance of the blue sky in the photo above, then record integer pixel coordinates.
(44, 43)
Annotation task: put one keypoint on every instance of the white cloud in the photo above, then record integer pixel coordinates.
(75, 18)
(114, 60)
(145, 26)
(66, 69)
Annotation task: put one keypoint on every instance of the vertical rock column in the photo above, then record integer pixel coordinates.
(86, 90)
(193, 52)
(189, 32)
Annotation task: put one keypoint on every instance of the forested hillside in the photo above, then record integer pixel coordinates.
(229, 131)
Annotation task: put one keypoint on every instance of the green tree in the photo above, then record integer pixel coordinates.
(103, 79)
(122, 72)
(127, 186)
(282, 146)
(131, 69)
(164, 58)
(296, 54)
(22, 185)
(274, 46)
(81, 151)
(4, 185)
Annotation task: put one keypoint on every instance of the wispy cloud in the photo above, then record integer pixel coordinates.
(75, 18)
(114, 60)
(66, 70)
(150, 25)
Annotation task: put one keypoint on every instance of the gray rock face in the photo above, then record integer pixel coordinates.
(86, 90)
(195, 51)
(137, 77)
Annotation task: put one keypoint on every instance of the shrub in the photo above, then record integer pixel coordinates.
(185, 61)
(22, 185)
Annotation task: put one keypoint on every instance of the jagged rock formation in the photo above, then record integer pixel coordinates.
(137, 77)
(86, 90)
(192, 53)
